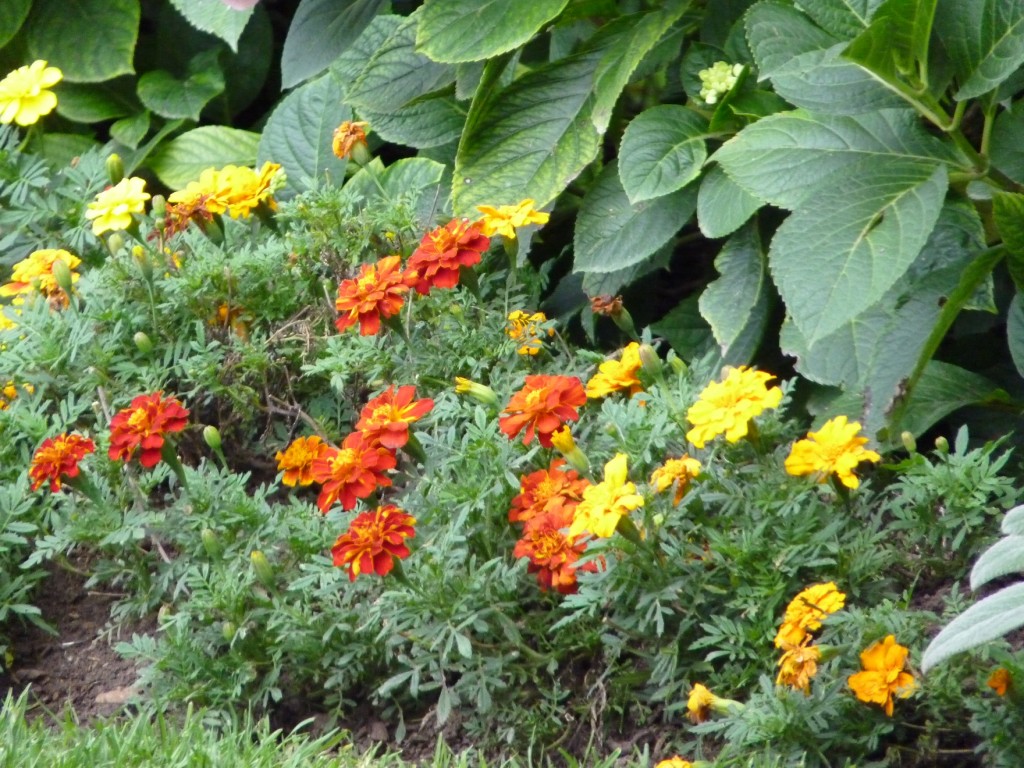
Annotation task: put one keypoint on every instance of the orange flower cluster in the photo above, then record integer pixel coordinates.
(352, 472)
(546, 491)
(57, 458)
(377, 293)
(444, 251)
(544, 405)
(373, 541)
(143, 425)
(386, 418)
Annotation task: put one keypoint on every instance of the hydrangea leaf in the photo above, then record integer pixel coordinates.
(1008, 214)
(663, 149)
(428, 122)
(131, 130)
(1004, 557)
(54, 24)
(454, 31)
(776, 33)
(1006, 149)
(320, 31)
(722, 205)
(986, 620)
(164, 94)
(896, 42)
(299, 133)
(688, 333)
(943, 389)
(215, 18)
(612, 234)
(1015, 332)
(12, 15)
(185, 157)
(96, 102)
(843, 18)
(985, 41)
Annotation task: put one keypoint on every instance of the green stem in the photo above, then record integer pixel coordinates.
(170, 455)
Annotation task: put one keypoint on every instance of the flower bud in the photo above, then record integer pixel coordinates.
(144, 262)
(228, 630)
(564, 443)
(908, 441)
(479, 392)
(115, 168)
(677, 363)
(212, 437)
(62, 274)
(941, 444)
(115, 242)
(650, 361)
(158, 206)
(211, 544)
(143, 343)
(260, 564)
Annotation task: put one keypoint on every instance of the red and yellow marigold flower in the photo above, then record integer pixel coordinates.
(836, 448)
(352, 472)
(605, 503)
(805, 612)
(296, 461)
(373, 541)
(798, 665)
(678, 472)
(528, 331)
(35, 274)
(444, 251)
(504, 219)
(58, 458)
(617, 375)
(386, 418)
(143, 425)
(378, 292)
(882, 676)
(546, 492)
(552, 553)
(726, 407)
(543, 405)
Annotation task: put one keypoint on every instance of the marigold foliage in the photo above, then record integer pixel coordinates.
(835, 449)
(726, 407)
(883, 676)
(143, 425)
(58, 458)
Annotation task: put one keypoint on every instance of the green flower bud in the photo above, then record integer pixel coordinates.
(941, 444)
(115, 168)
(62, 274)
(143, 342)
(211, 544)
(649, 361)
(115, 242)
(908, 441)
(158, 206)
(228, 630)
(212, 437)
(264, 573)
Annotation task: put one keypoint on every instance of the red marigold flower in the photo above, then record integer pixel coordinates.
(143, 425)
(373, 541)
(58, 457)
(552, 553)
(546, 492)
(351, 473)
(543, 405)
(297, 460)
(386, 418)
(376, 293)
(459, 243)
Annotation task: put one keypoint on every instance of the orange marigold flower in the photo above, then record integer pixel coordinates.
(883, 675)
(551, 551)
(543, 405)
(297, 460)
(386, 418)
(445, 250)
(352, 472)
(347, 136)
(178, 216)
(674, 762)
(373, 541)
(678, 472)
(999, 681)
(58, 457)
(143, 425)
(617, 375)
(805, 612)
(377, 292)
(797, 666)
(550, 491)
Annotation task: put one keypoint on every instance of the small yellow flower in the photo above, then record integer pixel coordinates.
(702, 702)
(728, 406)
(999, 681)
(35, 274)
(797, 666)
(678, 472)
(617, 375)
(24, 97)
(113, 207)
(606, 502)
(883, 675)
(805, 612)
(504, 219)
(528, 330)
(563, 442)
(674, 762)
(835, 449)
(9, 393)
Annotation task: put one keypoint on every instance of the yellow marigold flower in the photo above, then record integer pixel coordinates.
(805, 612)
(797, 666)
(678, 472)
(35, 274)
(606, 502)
(347, 136)
(235, 190)
(113, 207)
(702, 702)
(835, 449)
(24, 97)
(883, 675)
(728, 406)
(674, 762)
(565, 444)
(9, 392)
(528, 330)
(504, 219)
(617, 375)
(999, 681)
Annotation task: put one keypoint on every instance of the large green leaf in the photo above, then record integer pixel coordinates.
(1006, 147)
(12, 15)
(453, 31)
(663, 149)
(778, 32)
(299, 132)
(96, 102)
(89, 40)
(782, 158)
(428, 122)
(164, 94)
(722, 205)
(320, 31)
(843, 18)
(185, 157)
(130, 131)
(895, 46)
(612, 283)
(688, 333)
(736, 305)
(984, 39)
(987, 620)
(1015, 332)
(216, 18)
(943, 389)
(1008, 214)
(612, 234)
(839, 252)
(1004, 557)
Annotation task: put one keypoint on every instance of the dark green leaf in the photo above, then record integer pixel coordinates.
(686, 331)
(1015, 332)
(722, 205)
(777, 33)
(96, 102)
(663, 149)
(895, 46)
(89, 40)
(320, 31)
(12, 15)
(843, 18)
(185, 157)
(59, 149)
(984, 39)
(424, 123)
(612, 283)
(1006, 147)
(215, 18)
(167, 96)
(943, 389)
(131, 130)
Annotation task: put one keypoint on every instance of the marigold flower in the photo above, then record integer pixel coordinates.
(883, 674)
(445, 250)
(805, 612)
(296, 461)
(58, 457)
(35, 274)
(352, 472)
(551, 491)
(699, 703)
(377, 292)
(177, 216)
(674, 762)
(728, 406)
(606, 305)
(386, 418)
(504, 219)
(836, 449)
(604, 504)
(551, 552)
(233, 189)
(479, 392)
(373, 541)
(528, 330)
(113, 207)
(563, 442)
(24, 97)
(678, 472)
(999, 681)
(617, 375)
(143, 425)
(797, 666)
(543, 405)
(347, 136)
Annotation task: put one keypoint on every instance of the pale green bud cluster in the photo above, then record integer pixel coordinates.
(718, 80)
